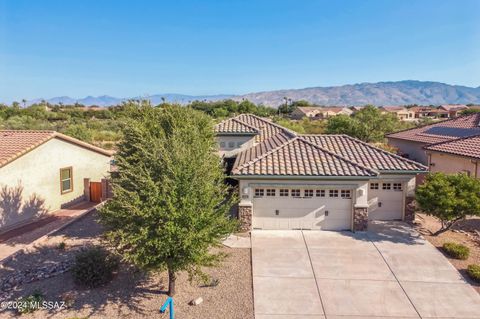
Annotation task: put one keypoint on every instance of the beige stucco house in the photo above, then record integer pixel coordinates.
(42, 171)
(411, 143)
(456, 156)
(326, 182)
(318, 112)
(401, 112)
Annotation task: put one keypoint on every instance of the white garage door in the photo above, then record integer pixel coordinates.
(296, 208)
(385, 201)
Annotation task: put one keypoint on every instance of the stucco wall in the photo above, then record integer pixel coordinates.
(414, 150)
(38, 173)
(453, 164)
(246, 141)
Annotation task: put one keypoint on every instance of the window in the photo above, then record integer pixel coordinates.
(222, 144)
(346, 193)
(320, 193)
(239, 144)
(333, 193)
(397, 186)
(271, 192)
(295, 193)
(386, 186)
(373, 185)
(308, 192)
(283, 192)
(66, 183)
(231, 144)
(259, 192)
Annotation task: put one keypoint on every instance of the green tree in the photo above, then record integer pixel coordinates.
(170, 204)
(368, 124)
(450, 198)
(470, 111)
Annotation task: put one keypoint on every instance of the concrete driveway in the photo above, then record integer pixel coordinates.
(387, 272)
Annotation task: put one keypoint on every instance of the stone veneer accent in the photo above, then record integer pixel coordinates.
(360, 219)
(409, 209)
(245, 217)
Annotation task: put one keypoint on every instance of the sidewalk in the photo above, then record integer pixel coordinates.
(22, 237)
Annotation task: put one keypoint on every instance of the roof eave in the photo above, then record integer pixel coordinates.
(304, 177)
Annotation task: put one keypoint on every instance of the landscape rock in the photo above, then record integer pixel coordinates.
(196, 302)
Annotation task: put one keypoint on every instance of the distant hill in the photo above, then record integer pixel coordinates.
(106, 100)
(381, 93)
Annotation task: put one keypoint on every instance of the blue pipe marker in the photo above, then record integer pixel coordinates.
(168, 303)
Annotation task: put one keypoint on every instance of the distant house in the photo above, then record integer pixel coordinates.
(423, 112)
(460, 155)
(453, 110)
(401, 112)
(42, 171)
(411, 143)
(317, 112)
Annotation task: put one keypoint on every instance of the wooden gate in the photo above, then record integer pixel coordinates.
(96, 192)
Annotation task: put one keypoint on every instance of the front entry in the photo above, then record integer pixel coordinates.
(96, 192)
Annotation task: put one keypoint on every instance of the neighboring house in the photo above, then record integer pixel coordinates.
(401, 112)
(317, 112)
(411, 143)
(460, 155)
(331, 182)
(452, 110)
(423, 112)
(42, 171)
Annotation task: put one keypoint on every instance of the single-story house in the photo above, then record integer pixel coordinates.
(460, 155)
(452, 109)
(331, 182)
(401, 112)
(411, 142)
(43, 171)
(318, 112)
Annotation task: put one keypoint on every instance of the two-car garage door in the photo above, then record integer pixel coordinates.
(296, 208)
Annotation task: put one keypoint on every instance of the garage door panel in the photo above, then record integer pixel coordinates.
(385, 204)
(302, 213)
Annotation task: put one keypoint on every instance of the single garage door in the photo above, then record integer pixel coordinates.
(385, 201)
(296, 208)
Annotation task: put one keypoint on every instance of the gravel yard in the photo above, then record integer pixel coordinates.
(463, 233)
(132, 294)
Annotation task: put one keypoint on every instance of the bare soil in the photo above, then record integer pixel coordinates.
(133, 293)
(464, 233)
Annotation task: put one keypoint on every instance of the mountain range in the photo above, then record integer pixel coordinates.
(380, 93)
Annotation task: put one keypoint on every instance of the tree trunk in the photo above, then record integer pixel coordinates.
(171, 282)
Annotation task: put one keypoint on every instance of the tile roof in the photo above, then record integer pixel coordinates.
(462, 126)
(363, 153)
(298, 157)
(393, 108)
(234, 126)
(453, 107)
(282, 152)
(467, 146)
(15, 143)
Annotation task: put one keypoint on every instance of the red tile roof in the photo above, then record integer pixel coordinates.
(363, 153)
(467, 146)
(15, 143)
(235, 126)
(462, 126)
(298, 157)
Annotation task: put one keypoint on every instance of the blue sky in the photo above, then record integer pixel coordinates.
(130, 48)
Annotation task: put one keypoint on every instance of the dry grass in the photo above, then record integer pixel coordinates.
(464, 233)
(134, 294)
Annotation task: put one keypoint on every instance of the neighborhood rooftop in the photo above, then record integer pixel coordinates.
(282, 152)
(14, 143)
(467, 146)
(463, 126)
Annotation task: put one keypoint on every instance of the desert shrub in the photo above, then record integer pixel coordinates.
(94, 267)
(62, 246)
(457, 251)
(474, 272)
(30, 303)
